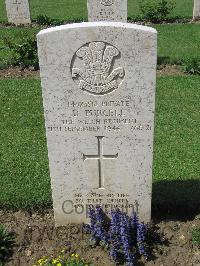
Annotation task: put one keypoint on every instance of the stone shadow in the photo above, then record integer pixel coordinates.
(179, 199)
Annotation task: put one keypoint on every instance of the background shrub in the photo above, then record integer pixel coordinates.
(192, 66)
(47, 21)
(24, 52)
(44, 20)
(156, 10)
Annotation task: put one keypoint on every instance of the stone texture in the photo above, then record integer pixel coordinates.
(196, 11)
(107, 10)
(18, 11)
(98, 85)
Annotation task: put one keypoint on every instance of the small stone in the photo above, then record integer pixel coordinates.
(183, 240)
(197, 217)
(29, 253)
(31, 68)
(182, 237)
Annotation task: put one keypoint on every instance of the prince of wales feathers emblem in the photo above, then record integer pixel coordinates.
(107, 2)
(96, 75)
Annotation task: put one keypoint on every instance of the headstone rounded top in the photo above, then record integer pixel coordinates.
(98, 24)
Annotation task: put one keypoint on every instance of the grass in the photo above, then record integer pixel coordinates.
(3, 16)
(177, 143)
(63, 9)
(178, 42)
(196, 236)
(24, 175)
(175, 42)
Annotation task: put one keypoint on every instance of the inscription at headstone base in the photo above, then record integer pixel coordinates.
(196, 10)
(18, 11)
(98, 85)
(107, 10)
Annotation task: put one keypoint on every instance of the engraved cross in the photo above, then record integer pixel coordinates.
(100, 157)
(16, 2)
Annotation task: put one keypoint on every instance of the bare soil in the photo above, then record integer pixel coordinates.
(16, 72)
(145, 23)
(170, 70)
(36, 236)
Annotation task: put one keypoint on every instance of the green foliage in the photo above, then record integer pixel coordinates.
(196, 236)
(47, 21)
(156, 10)
(12, 35)
(24, 52)
(44, 20)
(6, 244)
(192, 66)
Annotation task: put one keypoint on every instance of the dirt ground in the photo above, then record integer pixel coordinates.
(36, 237)
(16, 72)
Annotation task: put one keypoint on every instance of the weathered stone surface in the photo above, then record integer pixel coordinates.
(18, 11)
(107, 10)
(196, 10)
(98, 83)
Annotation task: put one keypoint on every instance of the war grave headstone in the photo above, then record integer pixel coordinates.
(196, 10)
(18, 11)
(107, 10)
(98, 85)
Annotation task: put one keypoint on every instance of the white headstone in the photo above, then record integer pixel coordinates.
(98, 83)
(196, 11)
(18, 11)
(107, 10)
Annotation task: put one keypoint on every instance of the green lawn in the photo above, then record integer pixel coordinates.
(24, 175)
(177, 143)
(63, 9)
(176, 42)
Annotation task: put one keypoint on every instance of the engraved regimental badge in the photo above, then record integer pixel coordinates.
(107, 2)
(93, 68)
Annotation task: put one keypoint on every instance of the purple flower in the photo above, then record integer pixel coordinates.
(141, 238)
(134, 221)
(122, 235)
(125, 238)
(115, 221)
(92, 216)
